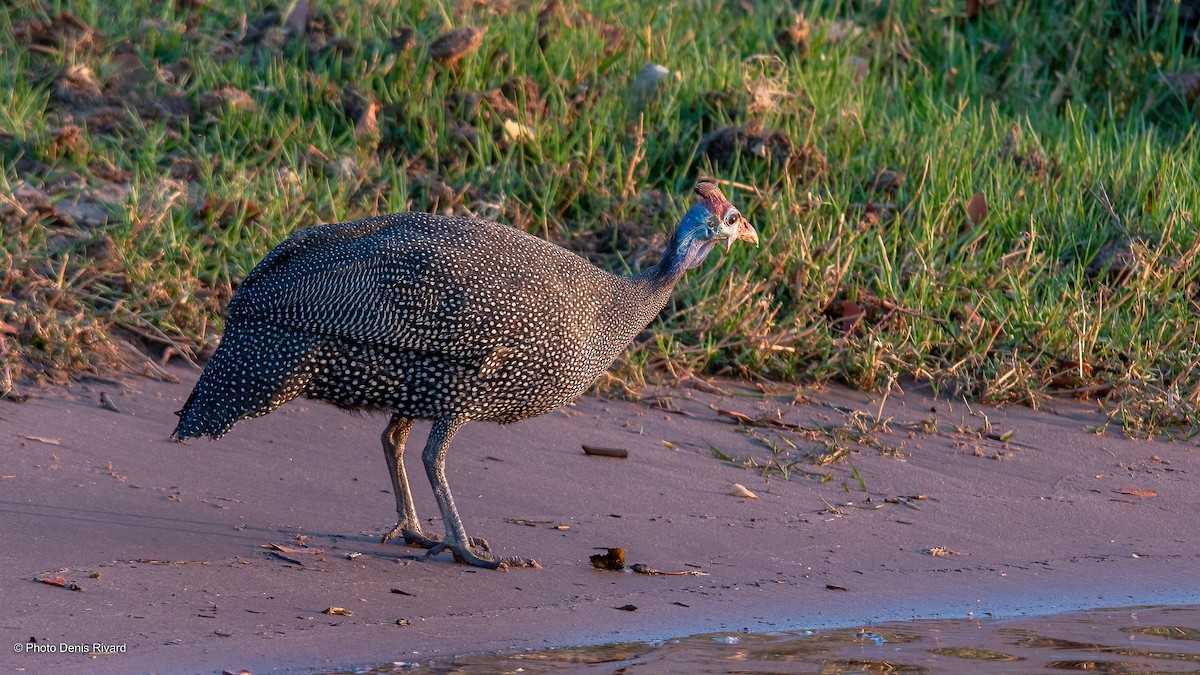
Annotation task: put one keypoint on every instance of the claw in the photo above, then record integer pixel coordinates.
(419, 537)
(395, 532)
(468, 556)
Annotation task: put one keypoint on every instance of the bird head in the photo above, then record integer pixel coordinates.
(723, 219)
(710, 222)
(713, 220)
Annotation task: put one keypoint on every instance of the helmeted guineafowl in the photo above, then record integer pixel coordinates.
(449, 319)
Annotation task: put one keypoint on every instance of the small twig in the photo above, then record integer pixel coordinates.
(640, 568)
(158, 336)
(705, 385)
(893, 307)
(740, 186)
(1102, 389)
(619, 453)
(280, 556)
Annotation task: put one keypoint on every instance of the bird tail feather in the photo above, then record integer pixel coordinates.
(254, 371)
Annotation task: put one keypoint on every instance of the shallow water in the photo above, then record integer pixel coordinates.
(1125, 640)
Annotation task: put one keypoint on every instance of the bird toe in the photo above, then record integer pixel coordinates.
(469, 555)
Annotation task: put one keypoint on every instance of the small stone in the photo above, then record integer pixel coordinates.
(649, 82)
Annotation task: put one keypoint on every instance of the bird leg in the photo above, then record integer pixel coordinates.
(394, 438)
(456, 540)
(408, 527)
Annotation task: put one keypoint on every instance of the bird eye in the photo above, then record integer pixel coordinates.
(731, 216)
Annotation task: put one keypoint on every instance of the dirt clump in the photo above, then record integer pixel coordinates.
(754, 143)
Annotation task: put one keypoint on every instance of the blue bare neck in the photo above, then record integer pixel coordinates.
(688, 248)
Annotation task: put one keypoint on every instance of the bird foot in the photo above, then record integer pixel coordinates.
(468, 556)
(418, 537)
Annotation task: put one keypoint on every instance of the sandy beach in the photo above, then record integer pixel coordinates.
(226, 555)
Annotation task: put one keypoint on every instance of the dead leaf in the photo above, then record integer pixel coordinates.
(835, 587)
(739, 490)
(368, 122)
(225, 211)
(60, 582)
(47, 441)
(939, 551)
(515, 132)
(612, 560)
(852, 313)
(338, 611)
(795, 36)
(977, 208)
(1137, 492)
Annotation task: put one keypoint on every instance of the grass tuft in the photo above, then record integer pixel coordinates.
(997, 199)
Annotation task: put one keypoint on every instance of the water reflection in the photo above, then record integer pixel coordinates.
(1131, 640)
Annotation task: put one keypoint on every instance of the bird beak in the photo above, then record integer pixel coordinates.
(744, 232)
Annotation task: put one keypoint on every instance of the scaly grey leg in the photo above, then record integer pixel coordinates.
(456, 540)
(394, 438)
(409, 527)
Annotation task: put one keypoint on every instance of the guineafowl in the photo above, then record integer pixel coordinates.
(449, 319)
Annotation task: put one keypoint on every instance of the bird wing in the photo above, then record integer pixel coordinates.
(437, 288)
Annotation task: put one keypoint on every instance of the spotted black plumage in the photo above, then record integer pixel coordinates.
(450, 319)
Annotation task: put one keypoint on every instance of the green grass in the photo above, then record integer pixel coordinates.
(224, 133)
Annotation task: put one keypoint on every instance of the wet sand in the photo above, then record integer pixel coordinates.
(1130, 640)
(223, 555)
